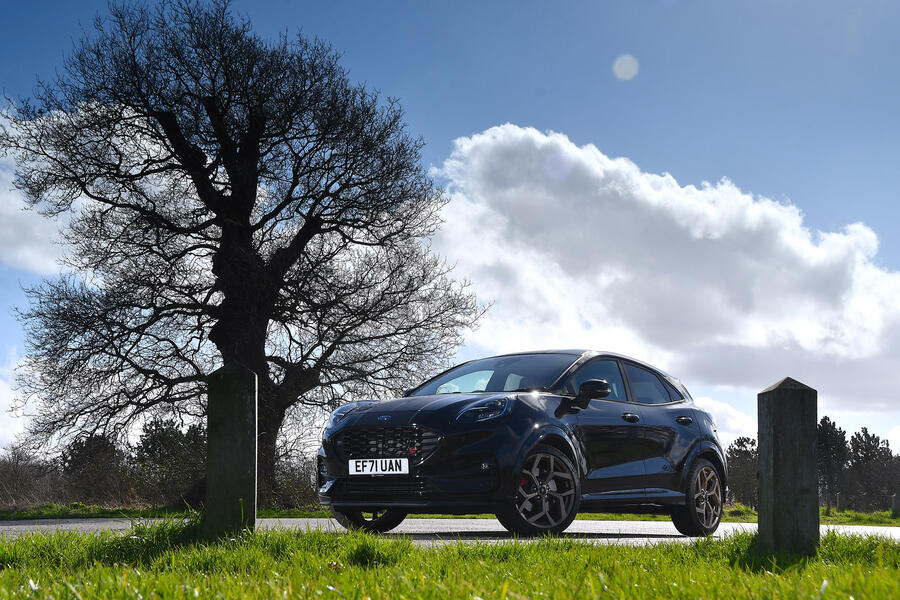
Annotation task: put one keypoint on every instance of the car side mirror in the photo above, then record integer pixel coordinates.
(591, 389)
(407, 392)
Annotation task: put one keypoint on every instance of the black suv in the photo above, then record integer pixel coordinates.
(533, 438)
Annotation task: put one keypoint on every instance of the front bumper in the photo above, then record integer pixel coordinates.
(466, 472)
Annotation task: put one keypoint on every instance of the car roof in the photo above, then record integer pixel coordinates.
(583, 353)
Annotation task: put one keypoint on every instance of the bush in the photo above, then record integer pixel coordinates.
(169, 465)
(296, 479)
(95, 471)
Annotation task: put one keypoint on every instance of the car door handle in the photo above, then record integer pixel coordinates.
(630, 417)
(684, 420)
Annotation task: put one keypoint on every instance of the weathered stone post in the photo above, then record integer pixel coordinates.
(838, 502)
(788, 495)
(895, 506)
(231, 451)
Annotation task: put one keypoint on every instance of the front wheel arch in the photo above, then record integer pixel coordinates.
(552, 436)
(561, 444)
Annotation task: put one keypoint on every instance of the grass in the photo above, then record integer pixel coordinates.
(167, 560)
(78, 510)
(737, 513)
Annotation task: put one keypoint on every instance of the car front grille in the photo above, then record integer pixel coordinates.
(413, 443)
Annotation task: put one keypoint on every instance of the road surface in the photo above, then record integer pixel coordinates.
(429, 532)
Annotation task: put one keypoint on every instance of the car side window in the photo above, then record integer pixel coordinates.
(646, 386)
(673, 392)
(601, 369)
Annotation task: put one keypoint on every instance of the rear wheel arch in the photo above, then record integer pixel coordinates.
(710, 454)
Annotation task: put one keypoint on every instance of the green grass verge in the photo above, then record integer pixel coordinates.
(168, 561)
(733, 514)
(78, 510)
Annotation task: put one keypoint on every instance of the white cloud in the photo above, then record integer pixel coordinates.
(27, 240)
(716, 285)
(731, 422)
(893, 438)
(10, 424)
(625, 67)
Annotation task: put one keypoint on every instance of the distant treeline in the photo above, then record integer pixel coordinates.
(165, 468)
(862, 468)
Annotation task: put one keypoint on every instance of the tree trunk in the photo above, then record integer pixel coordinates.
(240, 335)
(269, 420)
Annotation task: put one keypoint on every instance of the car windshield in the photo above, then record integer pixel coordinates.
(520, 372)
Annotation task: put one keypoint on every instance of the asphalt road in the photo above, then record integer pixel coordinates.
(429, 532)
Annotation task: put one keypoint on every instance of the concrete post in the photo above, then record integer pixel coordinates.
(895, 506)
(788, 495)
(839, 502)
(231, 451)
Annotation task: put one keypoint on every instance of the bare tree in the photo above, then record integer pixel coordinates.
(226, 198)
(27, 480)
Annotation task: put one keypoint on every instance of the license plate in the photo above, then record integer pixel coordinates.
(379, 466)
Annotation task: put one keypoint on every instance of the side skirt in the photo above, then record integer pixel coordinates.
(651, 501)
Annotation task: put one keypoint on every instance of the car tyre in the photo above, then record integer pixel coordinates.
(702, 512)
(378, 521)
(548, 494)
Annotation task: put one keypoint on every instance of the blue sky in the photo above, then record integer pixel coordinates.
(796, 102)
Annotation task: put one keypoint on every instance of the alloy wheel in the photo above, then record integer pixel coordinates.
(546, 491)
(708, 497)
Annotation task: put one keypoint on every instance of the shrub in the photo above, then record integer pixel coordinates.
(95, 471)
(169, 464)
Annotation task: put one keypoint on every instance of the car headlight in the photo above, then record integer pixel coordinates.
(482, 410)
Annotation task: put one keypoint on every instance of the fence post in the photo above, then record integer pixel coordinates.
(788, 494)
(839, 502)
(231, 451)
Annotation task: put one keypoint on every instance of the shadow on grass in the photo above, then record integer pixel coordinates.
(181, 543)
(743, 551)
(140, 544)
(145, 541)
(756, 559)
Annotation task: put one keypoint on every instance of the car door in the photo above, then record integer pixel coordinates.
(608, 433)
(667, 429)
